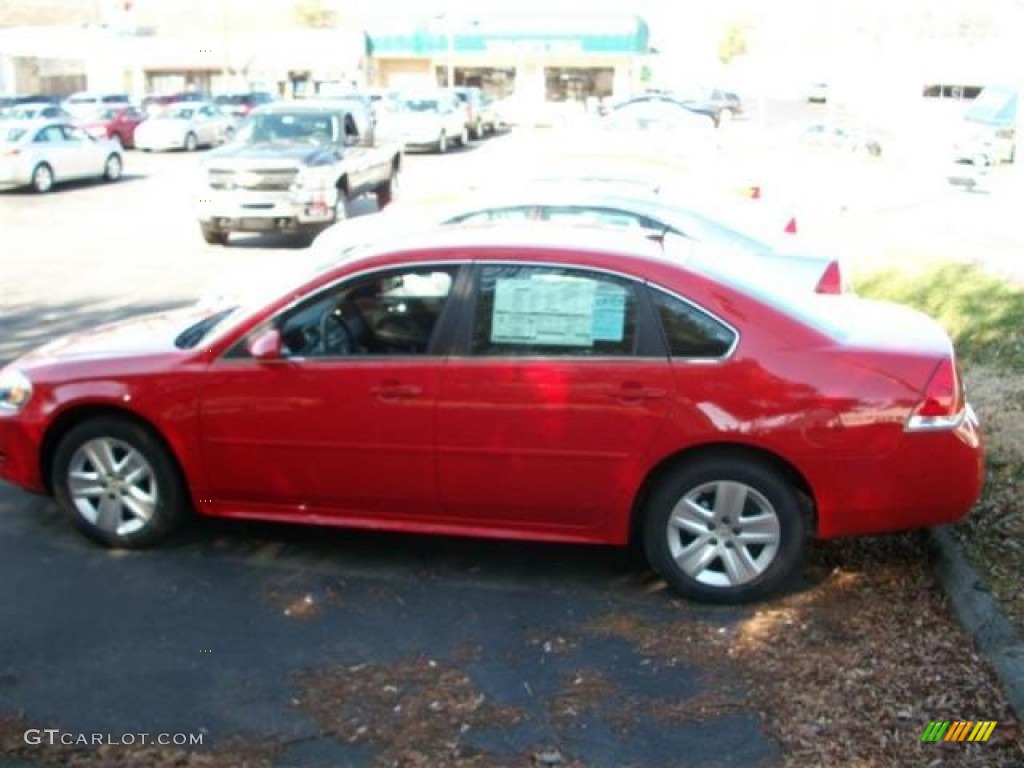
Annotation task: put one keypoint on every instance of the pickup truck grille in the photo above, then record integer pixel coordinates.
(258, 179)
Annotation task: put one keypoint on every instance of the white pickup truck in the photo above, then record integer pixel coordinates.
(293, 167)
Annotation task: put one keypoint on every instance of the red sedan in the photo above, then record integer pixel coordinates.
(114, 123)
(551, 386)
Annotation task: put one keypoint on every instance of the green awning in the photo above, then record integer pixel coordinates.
(555, 35)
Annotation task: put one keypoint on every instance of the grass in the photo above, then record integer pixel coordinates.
(985, 318)
(983, 314)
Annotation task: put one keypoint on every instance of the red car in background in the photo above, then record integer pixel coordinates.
(117, 123)
(534, 384)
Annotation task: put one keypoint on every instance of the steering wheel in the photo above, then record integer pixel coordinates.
(335, 336)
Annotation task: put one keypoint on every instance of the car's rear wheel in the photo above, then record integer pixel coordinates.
(212, 235)
(464, 137)
(118, 483)
(724, 529)
(112, 168)
(191, 142)
(442, 143)
(42, 178)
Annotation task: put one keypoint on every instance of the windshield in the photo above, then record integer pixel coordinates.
(195, 333)
(420, 105)
(994, 105)
(290, 127)
(176, 113)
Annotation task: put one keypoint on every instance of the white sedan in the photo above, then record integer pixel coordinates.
(188, 126)
(41, 153)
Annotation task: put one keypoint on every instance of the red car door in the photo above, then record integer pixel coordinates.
(343, 423)
(544, 424)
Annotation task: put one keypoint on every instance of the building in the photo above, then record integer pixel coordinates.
(548, 57)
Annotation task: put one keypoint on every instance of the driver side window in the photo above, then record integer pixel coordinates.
(386, 313)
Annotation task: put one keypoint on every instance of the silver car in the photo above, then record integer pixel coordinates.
(597, 205)
(185, 125)
(41, 153)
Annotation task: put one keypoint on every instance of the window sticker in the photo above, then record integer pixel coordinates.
(552, 310)
(609, 312)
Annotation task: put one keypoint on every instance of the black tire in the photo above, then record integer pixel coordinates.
(442, 143)
(212, 235)
(191, 142)
(113, 168)
(765, 492)
(343, 208)
(388, 191)
(42, 178)
(159, 481)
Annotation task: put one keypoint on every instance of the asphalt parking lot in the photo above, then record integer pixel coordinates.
(240, 631)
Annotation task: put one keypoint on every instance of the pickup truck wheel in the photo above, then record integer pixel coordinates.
(388, 191)
(442, 143)
(212, 235)
(341, 210)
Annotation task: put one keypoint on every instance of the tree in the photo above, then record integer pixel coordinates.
(317, 14)
(733, 42)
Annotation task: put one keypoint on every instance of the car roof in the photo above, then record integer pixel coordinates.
(319, 105)
(504, 237)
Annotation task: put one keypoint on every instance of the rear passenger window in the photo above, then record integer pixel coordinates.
(689, 331)
(553, 311)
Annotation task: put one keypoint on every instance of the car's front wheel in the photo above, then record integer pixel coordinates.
(724, 529)
(191, 142)
(118, 483)
(212, 235)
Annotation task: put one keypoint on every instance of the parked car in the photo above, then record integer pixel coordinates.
(817, 92)
(155, 103)
(84, 102)
(241, 104)
(117, 123)
(596, 204)
(662, 105)
(838, 137)
(988, 135)
(722, 105)
(186, 126)
(497, 382)
(482, 116)
(36, 110)
(41, 153)
(431, 119)
(293, 167)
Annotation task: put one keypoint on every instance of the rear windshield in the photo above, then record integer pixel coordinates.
(12, 134)
(823, 313)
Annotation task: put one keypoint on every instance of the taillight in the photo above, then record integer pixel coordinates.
(790, 228)
(831, 280)
(942, 400)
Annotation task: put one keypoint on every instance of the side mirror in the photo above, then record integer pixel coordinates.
(266, 345)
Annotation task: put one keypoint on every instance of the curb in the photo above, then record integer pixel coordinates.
(979, 614)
